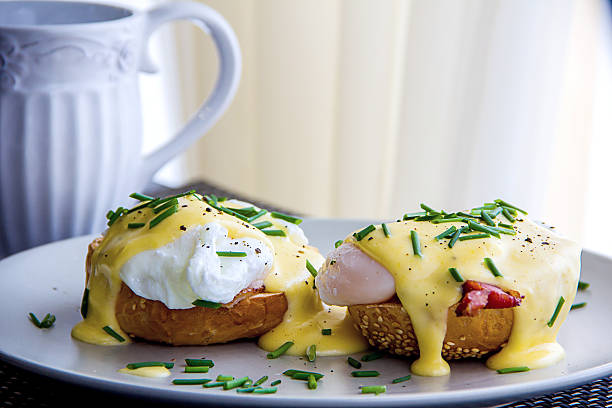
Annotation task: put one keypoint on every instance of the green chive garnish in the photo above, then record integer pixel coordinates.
(270, 390)
(456, 235)
(353, 362)
(138, 207)
(429, 217)
(508, 226)
(213, 384)
(474, 236)
(401, 379)
(199, 362)
(487, 218)
(206, 303)
(578, 305)
(326, 332)
(163, 216)
(133, 225)
(385, 230)
(303, 375)
(230, 385)
(512, 370)
(280, 351)
(446, 233)
(165, 205)
(48, 321)
(285, 217)
(338, 243)
(410, 216)
(276, 382)
(455, 274)
(141, 197)
(373, 389)
(260, 381)
(372, 356)
(312, 383)
(311, 352)
(249, 389)
(444, 220)
(224, 378)
(109, 214)
(133, 366)
(482, 228)
(232, 254)
(560, 303)
(311, 269)
(416, 244)
(34, 320)
(247, 211)
(429, 209)
(507, 231)
(506, 204)
(85, 303)
(256, 216)
(191, 381)
(202, 369)
(508, 216)
(113, 333)
(370, 373)
(583, 285)
(263, 224)
(364, 232)
(494, 213)
(489, 264)
(275, 233)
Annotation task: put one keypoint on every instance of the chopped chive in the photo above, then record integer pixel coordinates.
(491, 266)
(116, 216)
(445, 220)
(140, 197)
(501, 224)
(232, 254)
(410, 216)
(34, 320)
(133, 366)
(364, 232)
(506, 204)
(463, 214)
(47, 321)
(372, 356)
(312, 383)
(482, 228)
(199, 362)
(370, 373)
(275, 233)
(446, 233)
(165, 205)
(311, 352)
(230, 212)
(560, 303)
(326, 332)
(177, 196)
(487, 218)
(163, 216)
(263, 224)
(416, 244)
(474, 236)
(578, 305)
(256, 216)
(385, 230)
(285, 217)
(134, 225)
(428, 217)
(224, 378)
(456, 235)
(353, 362)
(485, 207)
(249, 389)
(280, 351)
(206, 303)
(85, 303)
(113, 333)
(401, 379)
(138, 207)
(455, 274)
(202, 369)
(305, 374)
(261, 381)
(247, 384)
(311, 269)
(512, 370)
(583, 285)
(429, 209)
(270, 390)
(276, 382)
(213, 384)
(494, 213)
(247, 211)
(153, 203)
(373, 389)
(507, 231)
(191, 381)
(230, 385)
(338, 243)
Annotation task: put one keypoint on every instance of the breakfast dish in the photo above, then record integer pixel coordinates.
(444, 286)
(199, 270)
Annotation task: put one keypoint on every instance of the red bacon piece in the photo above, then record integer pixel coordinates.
(479, 295)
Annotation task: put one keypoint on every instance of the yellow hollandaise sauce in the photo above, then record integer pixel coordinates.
(149, 372)
(540, 265)
(306, 314)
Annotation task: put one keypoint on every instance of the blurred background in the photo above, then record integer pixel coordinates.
(365, 108)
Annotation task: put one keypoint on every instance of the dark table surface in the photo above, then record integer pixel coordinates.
(21, 388)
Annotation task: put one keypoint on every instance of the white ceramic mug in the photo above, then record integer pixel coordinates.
(70, 119)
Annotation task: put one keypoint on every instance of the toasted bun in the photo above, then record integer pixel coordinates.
(250, 314)
(387, 327)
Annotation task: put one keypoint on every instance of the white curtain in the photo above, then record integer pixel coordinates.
(365, 108)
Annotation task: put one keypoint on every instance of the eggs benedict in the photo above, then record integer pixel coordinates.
(442, 286)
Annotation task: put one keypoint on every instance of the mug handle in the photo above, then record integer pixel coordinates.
(230, 67)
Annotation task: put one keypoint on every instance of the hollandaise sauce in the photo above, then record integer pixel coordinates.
(149, 226)
(540, 265)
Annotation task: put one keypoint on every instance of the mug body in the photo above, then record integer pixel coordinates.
(70, 120)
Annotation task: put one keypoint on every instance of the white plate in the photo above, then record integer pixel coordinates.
(50, 279)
